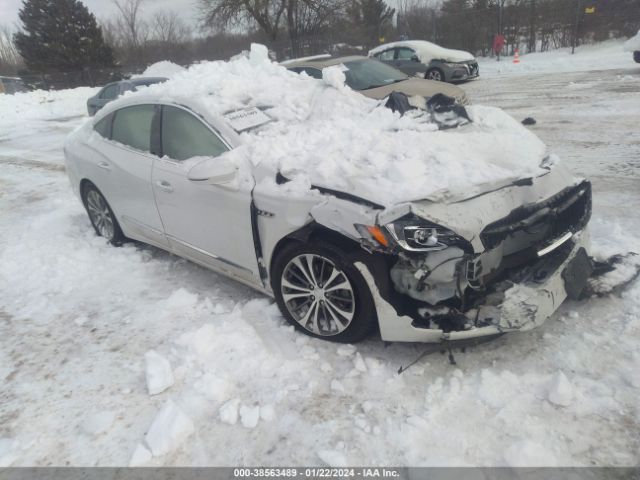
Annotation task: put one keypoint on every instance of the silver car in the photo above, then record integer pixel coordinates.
(160, 170)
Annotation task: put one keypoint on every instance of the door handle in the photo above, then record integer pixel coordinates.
(164, 185)
(104, 165)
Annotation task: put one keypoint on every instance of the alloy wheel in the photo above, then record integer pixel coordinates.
(434, 75)
(318, 295)
(100, 214)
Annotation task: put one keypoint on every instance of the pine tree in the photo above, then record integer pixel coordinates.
(60, 35)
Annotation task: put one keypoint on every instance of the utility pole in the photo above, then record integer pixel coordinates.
(500, 6)
(575, 27)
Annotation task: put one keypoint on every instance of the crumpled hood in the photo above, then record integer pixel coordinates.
(468, 217)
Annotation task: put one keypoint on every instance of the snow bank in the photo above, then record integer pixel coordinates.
(633, 43)
(600, 56)
(325, 134)
(164, 68)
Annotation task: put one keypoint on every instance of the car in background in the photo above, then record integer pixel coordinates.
(374, 79)
(428, 60)
(633, 45)
(113, 90)
(12, 85)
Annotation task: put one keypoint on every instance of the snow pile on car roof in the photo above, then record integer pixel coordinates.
(325, 134)
(164, 68)
(427, 51)
(633, 43)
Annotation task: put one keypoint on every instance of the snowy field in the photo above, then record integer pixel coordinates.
(83, 324)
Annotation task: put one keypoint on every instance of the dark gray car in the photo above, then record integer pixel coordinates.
(428, 60)
(111, 91)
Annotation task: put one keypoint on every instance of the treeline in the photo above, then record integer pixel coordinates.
(529, 25)
(63, 36)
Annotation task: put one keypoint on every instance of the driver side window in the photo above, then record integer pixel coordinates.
(405, 53)
(185, 136)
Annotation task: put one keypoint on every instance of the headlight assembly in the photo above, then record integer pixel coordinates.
(411, 234)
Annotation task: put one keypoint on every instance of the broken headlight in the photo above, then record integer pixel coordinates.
(417, 235)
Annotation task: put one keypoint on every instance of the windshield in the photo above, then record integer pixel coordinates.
(366, 73)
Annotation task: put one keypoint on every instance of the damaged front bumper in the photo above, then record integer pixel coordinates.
(518, 303)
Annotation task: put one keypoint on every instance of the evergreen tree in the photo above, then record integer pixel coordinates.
(60, 35)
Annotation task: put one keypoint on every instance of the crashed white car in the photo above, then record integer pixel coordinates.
(352, 216)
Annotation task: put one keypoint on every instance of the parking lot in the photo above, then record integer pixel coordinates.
(77, 317)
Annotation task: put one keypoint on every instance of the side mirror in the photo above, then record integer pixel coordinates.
(213, 170)
(415, 59)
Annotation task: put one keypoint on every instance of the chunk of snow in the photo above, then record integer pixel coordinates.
(249, 416)
(359, 364)
(158, 372)
(560, 390)
(97, 423)
(346, 350)
(164, 68)
(169, 429)
(229, 411)
(258, 54)
(181, 298)
(529, 454)
(332, 458)
(334, 77)
(141, 456)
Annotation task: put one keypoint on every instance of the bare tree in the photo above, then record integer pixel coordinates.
(267, 14)
(167, 27)
(130, 23)
(10, 60)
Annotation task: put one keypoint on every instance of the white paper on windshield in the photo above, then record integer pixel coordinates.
(246, 118)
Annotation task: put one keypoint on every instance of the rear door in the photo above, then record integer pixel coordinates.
(207, 223)
(123, 171)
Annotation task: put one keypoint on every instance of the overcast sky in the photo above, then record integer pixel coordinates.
(104, 9)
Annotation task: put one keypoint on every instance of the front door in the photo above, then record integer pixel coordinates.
(209, 224)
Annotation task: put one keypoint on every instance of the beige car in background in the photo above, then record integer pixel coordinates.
(375, 79)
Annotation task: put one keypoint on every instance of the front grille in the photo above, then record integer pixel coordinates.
(567, 211)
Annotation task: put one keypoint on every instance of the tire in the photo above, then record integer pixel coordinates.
(434, 74)
(345, 315)
(101, 216)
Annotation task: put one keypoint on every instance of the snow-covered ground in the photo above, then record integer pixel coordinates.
(600, 56)
(117, 356)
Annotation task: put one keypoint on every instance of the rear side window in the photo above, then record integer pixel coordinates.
(312, 72)
(132, 126)
(110, 92)
(185, 136)
(103, 127)
(386, 55)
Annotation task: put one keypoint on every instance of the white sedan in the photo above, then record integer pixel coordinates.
(351, 216)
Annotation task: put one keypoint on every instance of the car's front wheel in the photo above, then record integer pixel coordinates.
(434, 74)
(102, 218)
(321, 292)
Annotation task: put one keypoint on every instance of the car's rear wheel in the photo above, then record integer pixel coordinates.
(102, 218)
(434, 74)
(321, 292)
